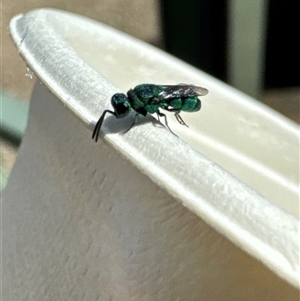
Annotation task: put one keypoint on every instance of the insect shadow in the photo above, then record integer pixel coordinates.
(114, 125)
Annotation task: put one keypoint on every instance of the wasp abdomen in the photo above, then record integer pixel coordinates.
(187, 104)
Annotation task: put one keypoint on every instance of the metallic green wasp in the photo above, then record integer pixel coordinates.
(149, 98)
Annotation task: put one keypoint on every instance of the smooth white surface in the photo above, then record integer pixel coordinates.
(258, 145)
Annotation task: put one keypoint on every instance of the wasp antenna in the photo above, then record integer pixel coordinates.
(99, 124)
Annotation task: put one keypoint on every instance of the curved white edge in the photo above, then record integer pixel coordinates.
(245, 217)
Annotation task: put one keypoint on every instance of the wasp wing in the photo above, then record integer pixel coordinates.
(181, 90)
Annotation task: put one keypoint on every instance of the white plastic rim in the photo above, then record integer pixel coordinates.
(81, 61)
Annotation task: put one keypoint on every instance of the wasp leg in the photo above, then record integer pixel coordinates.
(135, 121)
(158, 116)
(178, 117)
(166, 121)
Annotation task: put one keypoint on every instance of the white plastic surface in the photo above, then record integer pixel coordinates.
(89, 214)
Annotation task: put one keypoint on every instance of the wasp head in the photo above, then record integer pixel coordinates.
(121, 105)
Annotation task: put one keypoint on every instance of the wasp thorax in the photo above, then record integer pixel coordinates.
(121, 105)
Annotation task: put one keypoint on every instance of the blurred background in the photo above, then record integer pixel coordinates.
(249, 44)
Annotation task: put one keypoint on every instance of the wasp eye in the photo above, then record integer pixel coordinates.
(121, 105)
(122, 109)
